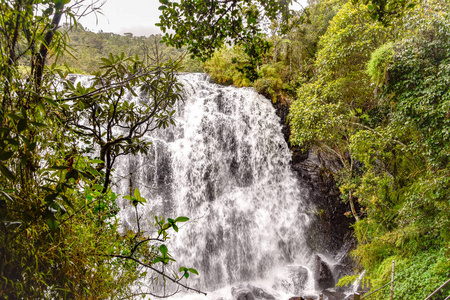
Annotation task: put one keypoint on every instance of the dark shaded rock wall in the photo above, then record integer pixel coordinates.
(331, 225)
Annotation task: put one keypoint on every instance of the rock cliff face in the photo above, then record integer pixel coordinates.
(331, 225)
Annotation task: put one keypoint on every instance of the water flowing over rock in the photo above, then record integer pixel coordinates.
(226, 166)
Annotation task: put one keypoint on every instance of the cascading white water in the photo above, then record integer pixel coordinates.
(225, 165)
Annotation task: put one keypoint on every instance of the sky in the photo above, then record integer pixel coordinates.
(120, 16)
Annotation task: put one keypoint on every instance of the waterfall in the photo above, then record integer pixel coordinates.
(225, 165)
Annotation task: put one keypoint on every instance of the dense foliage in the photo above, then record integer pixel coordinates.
(378, 104)
(60, 237)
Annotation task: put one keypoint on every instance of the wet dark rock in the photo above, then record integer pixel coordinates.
(282, 111)
(339, 270)
(307, 297)
(241, 293)
(333, 295)
(322, 274)
(250, 292)
(72, 77)
(293, 281)
(299, 276)
(329, 223)
(314, 170)
(310, 297)
(259, 293)
(350, 297)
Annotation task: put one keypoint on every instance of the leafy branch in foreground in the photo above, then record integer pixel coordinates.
(59, 228)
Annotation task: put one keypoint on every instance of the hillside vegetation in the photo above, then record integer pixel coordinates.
(86, 48)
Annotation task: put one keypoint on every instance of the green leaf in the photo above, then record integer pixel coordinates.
(105, 61)
(86, 175)
(137, 194)
(51, 102)
(48, 11)
(162, 7)
(163, 249)
(13, 142)
(182, 219)
(59, 167)
(5, 171)
(72, 174)
(6, 155)
(31, 146)
(50, 198)
(66, 200)
(52, 223)
(59, 5)
(25, 140)
(50, 219)
(194, 271)
(14, 117)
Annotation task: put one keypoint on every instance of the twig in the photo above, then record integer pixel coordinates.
(155, 270)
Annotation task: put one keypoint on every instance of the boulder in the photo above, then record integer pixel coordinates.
(310, 297)
(241, 293)
(298, 276)
(322, 274)
(293, 280)
(333, 295)
(259, 293)
(250, 292)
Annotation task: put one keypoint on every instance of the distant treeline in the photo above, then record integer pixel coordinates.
(87, 47)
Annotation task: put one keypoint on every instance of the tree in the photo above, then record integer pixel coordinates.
(207, 25)
(334, 105)
(58, 227)
(385, 11)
